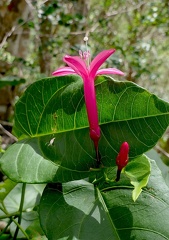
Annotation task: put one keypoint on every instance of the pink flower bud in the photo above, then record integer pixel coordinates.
(122, 158)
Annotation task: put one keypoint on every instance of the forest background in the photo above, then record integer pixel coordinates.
(35, 35)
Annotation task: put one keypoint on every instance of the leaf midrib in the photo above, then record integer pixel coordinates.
(101, 124)
(107, 212)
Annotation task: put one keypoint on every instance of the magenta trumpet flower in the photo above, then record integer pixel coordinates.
(78, 65)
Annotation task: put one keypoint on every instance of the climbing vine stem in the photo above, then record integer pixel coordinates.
(20, 214)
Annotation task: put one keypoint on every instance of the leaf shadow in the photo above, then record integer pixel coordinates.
(60, 218)
(123, 221)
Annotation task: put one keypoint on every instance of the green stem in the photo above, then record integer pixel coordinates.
(95, 169)
(19, 228)
(8, 215)
(4, 208)
(95, 182)
(20, 214)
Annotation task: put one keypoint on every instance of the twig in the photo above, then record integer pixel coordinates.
(30, 4)
(6, 123)
(7, 35)
(19, 226)
(126, 10)
(162, 151)
(8, 133)
(9, 215)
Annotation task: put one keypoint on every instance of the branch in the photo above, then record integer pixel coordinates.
(8, 133)
(7, 35)
(126, 10)
(159, 149)
(6, 123)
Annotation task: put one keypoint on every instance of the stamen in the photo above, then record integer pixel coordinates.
(87, 50)
(81, 54)
(86, 55)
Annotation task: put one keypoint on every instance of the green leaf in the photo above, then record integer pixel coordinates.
(5, 237)
(32, 196)
(5, 188)
(78, 210)
(51, 116)
(29, 165)
(138, 171)
(74, 213)
(56, 105)
(152, 154)
(34, 231)
(28, 218)
(11, 203)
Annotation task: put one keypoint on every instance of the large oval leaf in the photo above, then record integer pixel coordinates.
(127, 112)
(78, 210)
(53, 112)
(25, 162)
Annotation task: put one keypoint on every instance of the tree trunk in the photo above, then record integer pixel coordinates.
(9, 16)
(45, 35)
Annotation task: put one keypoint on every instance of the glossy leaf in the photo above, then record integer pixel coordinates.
(56, 105)
(78, 210)
(51, 117)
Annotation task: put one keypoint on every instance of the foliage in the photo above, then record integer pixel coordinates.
(54, 147)
(11, 81)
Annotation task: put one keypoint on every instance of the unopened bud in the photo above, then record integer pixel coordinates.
(122, 158)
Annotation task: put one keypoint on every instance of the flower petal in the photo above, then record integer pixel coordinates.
(99, 60)
(109, 71)
(92, 113)
(77, 64)
(63, 71)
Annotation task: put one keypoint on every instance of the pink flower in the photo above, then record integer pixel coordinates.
(77, 65)
(122, 159)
